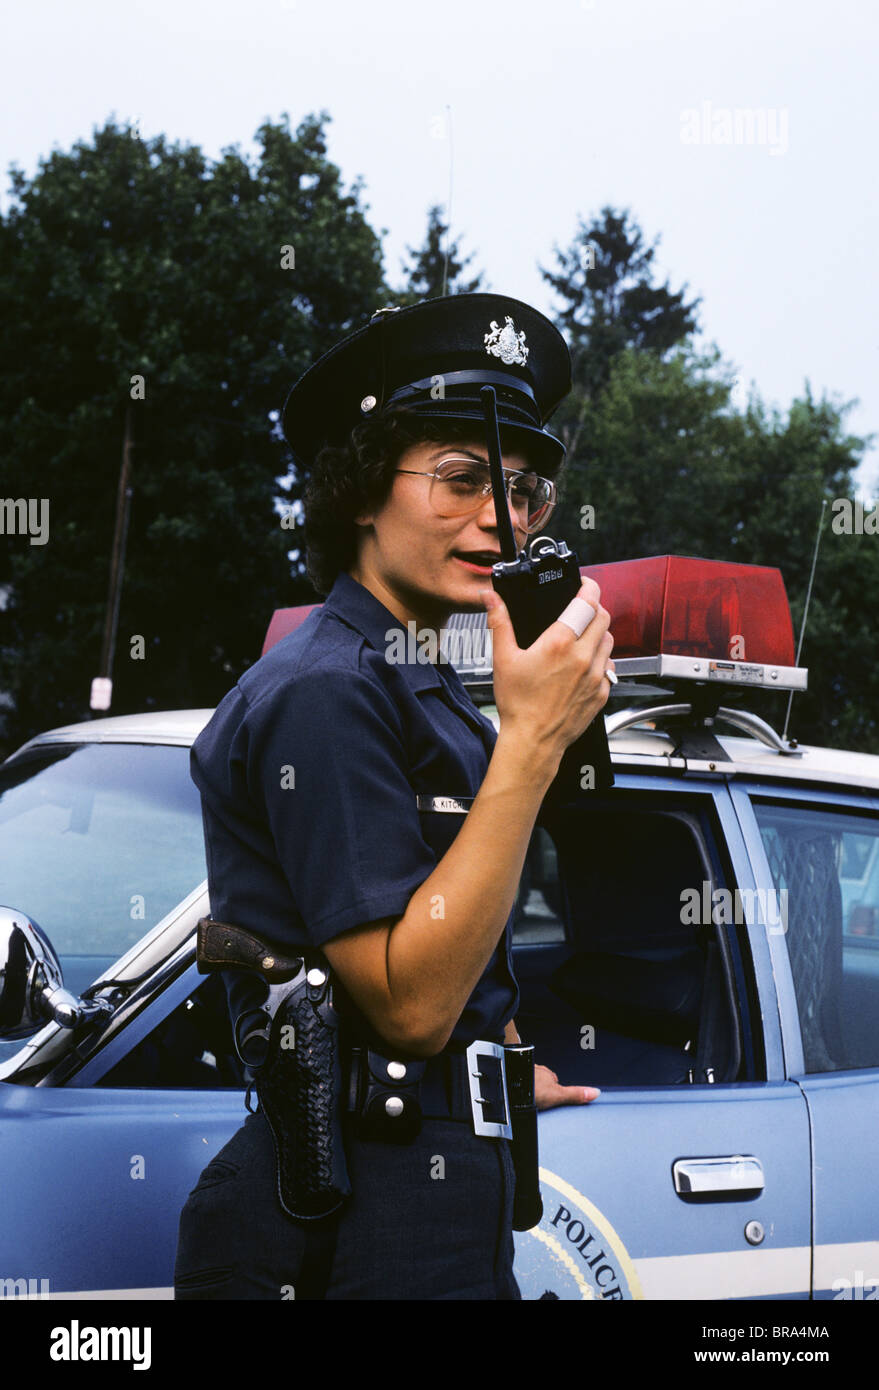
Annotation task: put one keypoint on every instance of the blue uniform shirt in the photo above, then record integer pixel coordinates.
(309, 771)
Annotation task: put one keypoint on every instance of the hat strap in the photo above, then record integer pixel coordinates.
(471, 378)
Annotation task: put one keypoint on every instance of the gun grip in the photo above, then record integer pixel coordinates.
(222, 946)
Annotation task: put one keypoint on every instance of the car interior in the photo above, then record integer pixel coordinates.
(620, 990)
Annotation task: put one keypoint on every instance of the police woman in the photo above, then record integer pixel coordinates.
(327, 775)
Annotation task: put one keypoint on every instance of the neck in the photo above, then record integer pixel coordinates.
(405, 604)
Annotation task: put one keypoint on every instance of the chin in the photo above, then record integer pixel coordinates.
(466, 586)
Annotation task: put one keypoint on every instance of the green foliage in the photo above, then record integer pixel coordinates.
(613, 304)
(436, 267)
(129, 257)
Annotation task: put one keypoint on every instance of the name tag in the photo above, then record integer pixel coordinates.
(454, 805)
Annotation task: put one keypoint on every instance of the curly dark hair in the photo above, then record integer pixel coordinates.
(358, 477)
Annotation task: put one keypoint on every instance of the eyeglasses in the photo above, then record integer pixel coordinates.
(461, 485)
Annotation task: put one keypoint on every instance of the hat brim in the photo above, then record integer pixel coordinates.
(545, 453)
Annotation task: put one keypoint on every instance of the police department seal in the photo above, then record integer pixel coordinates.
(574, 1252)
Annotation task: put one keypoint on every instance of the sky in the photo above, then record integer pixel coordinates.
(741, 133)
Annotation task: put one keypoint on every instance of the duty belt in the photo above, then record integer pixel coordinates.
(391, 1097)
(306, 1078)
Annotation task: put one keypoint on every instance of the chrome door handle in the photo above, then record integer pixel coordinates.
(737, 1173)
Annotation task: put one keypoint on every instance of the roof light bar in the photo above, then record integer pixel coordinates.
(673, 617)
(680, 618)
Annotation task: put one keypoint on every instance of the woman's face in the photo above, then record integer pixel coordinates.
(430, 563)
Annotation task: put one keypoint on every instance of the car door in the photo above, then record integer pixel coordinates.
(671, 1185)
(96, 1170)
(821, 847)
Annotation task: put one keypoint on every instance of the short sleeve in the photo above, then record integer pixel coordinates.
(327, 766)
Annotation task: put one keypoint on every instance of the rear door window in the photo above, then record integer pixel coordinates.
(825, 865)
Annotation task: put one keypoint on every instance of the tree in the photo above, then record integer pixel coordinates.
(609, 303)
(436, 267)
(216, 284)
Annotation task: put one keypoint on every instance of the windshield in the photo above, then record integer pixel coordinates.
(99, 841)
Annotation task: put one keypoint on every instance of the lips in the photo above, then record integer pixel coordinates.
(482, 558)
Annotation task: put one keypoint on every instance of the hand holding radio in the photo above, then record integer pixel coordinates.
(545, 598)
(549, 693)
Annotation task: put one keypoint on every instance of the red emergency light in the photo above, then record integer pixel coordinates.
(674, 616)
(705, 608)
(284, 621)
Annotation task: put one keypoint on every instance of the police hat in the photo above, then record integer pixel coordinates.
(433, 358)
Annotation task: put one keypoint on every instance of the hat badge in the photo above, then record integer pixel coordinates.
(506, 343)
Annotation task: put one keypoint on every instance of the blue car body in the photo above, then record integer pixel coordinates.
(736, 1163)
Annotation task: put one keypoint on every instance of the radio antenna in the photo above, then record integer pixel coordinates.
(790, 697)
(509, 550)
(448, 207)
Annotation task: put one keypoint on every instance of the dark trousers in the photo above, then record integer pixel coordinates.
(427, 1220)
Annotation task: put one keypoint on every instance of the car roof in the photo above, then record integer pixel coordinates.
(638, 745)
(830, 766)
(645, 745)
(180, 726)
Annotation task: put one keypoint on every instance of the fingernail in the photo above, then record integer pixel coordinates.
(586, 1090)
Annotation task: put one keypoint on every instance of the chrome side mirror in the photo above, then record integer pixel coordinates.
(28, 967)
(32, 989)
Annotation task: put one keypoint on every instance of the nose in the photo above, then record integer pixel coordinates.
(488, 518)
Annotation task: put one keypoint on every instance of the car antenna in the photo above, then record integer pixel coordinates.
(790, 697)
(448, 209)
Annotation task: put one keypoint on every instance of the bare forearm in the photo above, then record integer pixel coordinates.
(439, 948)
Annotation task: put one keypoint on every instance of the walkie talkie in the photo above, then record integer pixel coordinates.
(536, 588)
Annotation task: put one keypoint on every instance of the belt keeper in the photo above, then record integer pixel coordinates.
(389, 1101)
(528, 1203)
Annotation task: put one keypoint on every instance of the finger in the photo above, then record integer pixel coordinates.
(589, 591)
(546, 1071)
(499, 623)
(586, 626)
(577, 616)
(567, 1095)
(579, 1095)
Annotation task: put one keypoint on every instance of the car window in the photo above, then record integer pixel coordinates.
(538, 914)
(192, 1048)
(825, 864)
(98, 842)
(620, 984)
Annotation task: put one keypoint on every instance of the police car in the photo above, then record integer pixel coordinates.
(701, 942)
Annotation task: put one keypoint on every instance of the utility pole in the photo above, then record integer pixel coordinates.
(102, 685)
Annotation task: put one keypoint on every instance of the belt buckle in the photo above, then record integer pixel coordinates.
(495, 1077)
